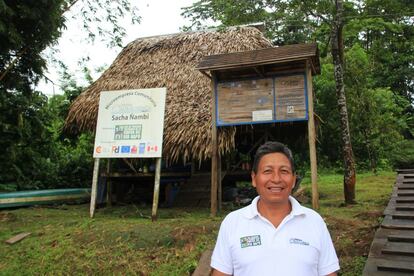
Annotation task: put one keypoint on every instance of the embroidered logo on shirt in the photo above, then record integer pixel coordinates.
(298, 241)
(250, 241)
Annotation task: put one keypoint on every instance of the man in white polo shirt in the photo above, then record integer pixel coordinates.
(274, 235)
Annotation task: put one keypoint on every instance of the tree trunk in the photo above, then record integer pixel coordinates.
(337, 55)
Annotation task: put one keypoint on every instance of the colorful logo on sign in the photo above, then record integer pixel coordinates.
(115, 149)
(141, 148)
(134, 149)
(152, 148)
(98, 149)
(125, 149)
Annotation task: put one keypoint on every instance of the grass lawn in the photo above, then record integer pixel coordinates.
(123, 240)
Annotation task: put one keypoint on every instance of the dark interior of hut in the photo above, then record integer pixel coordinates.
(188, 184)
(237, 165)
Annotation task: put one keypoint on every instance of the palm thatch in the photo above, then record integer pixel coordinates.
(170, 61)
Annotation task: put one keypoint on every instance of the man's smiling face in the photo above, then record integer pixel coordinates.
(274, 179)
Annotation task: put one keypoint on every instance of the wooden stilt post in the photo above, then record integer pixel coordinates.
(94, 187)
(312, 140)
(108, 184)
(193, 166)
(213, 207)
(219, 186)
(156, 189)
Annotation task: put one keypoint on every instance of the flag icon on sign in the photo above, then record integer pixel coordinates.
(141, 148)
(152, 148)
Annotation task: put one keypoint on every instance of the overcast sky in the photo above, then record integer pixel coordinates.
(158, 17)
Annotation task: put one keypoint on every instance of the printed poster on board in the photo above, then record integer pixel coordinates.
(130, 123)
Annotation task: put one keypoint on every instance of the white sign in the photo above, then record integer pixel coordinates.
(130, 123)
(262, 115)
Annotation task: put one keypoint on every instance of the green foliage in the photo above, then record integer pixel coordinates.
(23, 137)
(37, 155)
(286, 23)
(376, 115)
(325, 107)
(403, 156)
(26, 29)
(389, 40)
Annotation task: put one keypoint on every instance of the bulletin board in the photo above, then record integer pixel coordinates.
(276, 99)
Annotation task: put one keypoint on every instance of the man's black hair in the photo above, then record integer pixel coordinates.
(272, 147)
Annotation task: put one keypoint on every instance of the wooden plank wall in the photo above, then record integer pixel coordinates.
(237, 100)
(290, 97)
(392, 250)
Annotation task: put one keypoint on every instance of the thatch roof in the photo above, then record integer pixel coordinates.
(170, 61)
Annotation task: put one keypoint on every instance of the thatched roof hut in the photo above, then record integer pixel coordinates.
(170, 61)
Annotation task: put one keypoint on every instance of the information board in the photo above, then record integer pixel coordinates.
(130, 123)
(290, 97)
(245, 101)
(281, 98)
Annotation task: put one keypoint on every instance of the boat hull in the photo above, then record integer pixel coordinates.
(27, 198)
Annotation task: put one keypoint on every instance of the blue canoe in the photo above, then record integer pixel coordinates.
(27, 198)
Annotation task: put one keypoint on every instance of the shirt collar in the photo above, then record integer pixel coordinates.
(251, 210)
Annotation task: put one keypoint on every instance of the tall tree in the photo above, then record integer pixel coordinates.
(337, 50)
(295, 21)
(28, 27)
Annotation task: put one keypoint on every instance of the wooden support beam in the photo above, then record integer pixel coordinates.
(156, 189)
(219, 180)
(213, 197)
(205, 74)
(193, 166)
(258, 142)
(312, 65)
(94, 187)
(108, 184)
(259, 71)
(312, 140)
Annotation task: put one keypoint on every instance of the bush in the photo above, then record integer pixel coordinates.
(403, 156)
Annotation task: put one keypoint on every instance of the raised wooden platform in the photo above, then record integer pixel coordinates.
(392, 250)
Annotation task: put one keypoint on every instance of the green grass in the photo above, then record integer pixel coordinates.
(123, 240)
(118, 240)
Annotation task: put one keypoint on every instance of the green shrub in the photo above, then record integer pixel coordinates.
(403, 156)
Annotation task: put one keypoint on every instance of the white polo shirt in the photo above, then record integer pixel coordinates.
(249, 244)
